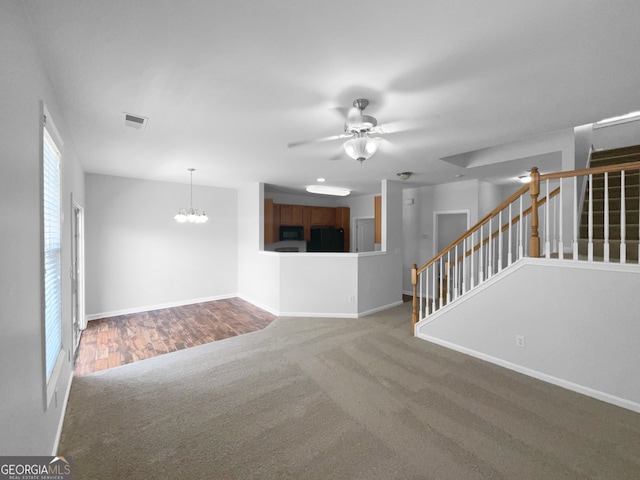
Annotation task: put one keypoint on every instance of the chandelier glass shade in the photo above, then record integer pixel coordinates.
(191, 215)
(361, 147)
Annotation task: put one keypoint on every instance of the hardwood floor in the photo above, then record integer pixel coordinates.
(110, 342)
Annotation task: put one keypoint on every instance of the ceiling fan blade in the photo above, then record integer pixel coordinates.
(319, 140)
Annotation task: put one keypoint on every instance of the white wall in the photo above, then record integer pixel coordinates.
(27, 428)
(579, 321)
(258, 272)
(361, 206)
(380, 274)
(319, 284)
(139, 258)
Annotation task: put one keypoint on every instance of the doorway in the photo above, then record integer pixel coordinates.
(365, 235)
(79, 321)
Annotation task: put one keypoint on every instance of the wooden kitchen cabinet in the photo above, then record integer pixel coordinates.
(306, 222)
(291, 215)
(322, 216)
(271, 221)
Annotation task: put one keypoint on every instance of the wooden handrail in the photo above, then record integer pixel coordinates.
(473, 229)
(505, 227)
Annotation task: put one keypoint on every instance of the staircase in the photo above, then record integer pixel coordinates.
(599, 236)
(548, 218)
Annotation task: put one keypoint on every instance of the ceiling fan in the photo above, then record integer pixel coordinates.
(358, 128)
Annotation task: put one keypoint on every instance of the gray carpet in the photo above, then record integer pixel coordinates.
(338, 399)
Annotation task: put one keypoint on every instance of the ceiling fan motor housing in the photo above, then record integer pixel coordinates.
(357, 122)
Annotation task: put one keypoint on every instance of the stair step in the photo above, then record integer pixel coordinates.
(631, 217)
(631, 231)
(631, 178)
(614, 204)
(614, 250)
(631, 191)
(616, 155)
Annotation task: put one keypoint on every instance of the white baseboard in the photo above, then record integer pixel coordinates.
(380, 309)
(560, 382)
(147, 308)
(63, 411)
(259, 305)
(318, 315)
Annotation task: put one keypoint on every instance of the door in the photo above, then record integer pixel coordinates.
(365, 234)
(77, 274)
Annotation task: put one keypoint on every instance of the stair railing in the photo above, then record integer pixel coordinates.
(525, 225)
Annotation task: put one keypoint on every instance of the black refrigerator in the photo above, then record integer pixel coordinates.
(326, 239)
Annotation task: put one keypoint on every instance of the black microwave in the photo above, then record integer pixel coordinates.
(291, 233)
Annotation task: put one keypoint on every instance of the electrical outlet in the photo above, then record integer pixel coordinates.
(352, 299)
(520, 341)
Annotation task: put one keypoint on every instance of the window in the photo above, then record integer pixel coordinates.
(51, 240)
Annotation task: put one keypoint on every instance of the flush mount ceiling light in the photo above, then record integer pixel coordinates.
(361, 146)
(191, 215)
(404, 175)
(325, 190)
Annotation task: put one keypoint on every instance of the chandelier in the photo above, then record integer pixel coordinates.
(191, 215)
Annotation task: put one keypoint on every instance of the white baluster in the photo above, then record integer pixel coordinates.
(433, 289)
(421, 306)
(606, 217)
(448, 275)
(521, 235)
(590, 226)
(500, 241)
(441, 293)
(489, 254)
(554, 225)
(481, 259)
(464, 266)
(560, 232)
(547, 220)
(472, 278)
(509, 254)
(455, 273)
(623, 221)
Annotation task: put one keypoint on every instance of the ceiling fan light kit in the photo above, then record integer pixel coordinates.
(191, 215)
(361, 147)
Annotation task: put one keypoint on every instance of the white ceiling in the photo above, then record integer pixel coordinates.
(227, 84)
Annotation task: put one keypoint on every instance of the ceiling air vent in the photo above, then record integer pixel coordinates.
(135, 121)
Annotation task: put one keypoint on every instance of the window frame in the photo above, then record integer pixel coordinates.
(51, 371)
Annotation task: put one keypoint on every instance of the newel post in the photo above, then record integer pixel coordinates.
(414, 311)
(534, 191)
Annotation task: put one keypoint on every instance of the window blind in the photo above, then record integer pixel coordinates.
(52, 282)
